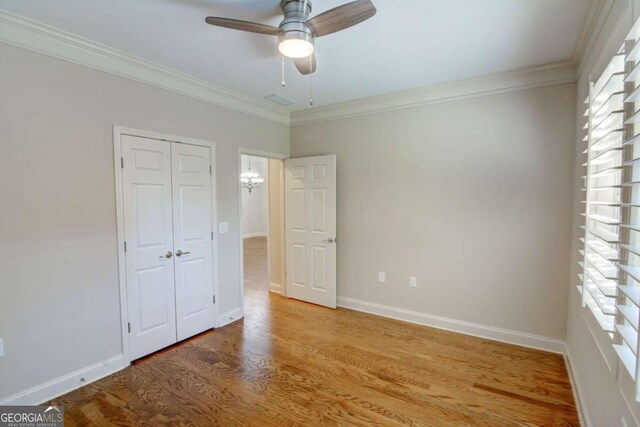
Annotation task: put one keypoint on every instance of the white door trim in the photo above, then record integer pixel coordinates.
(118, 131)
(260, 153)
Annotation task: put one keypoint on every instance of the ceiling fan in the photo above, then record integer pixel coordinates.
(297, 33)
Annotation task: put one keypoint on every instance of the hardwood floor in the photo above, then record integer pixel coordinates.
(290, 363)
(256, 271)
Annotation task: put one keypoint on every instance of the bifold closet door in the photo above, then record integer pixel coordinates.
(169, 259)
(148, 218)
(192, 234)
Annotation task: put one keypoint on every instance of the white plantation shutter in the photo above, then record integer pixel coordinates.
(604, 148)
(628, 297)
(610, 279)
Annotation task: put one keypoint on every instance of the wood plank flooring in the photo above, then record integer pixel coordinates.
(256, 271)
(294, 364)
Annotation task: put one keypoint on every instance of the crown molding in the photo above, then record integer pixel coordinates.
(593, 27)
(35, 36)
(595, 11)
(550, 75)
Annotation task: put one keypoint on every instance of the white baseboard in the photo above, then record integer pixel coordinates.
(250, 235)
(467, 328)
(229, 317)
(585, 420)
(62, 385)
(275, 287)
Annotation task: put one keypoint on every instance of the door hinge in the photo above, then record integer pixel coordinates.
(214, 299)
(210, 170)
(129, 327)
(212, 235)
(125, 246)
(121, 162)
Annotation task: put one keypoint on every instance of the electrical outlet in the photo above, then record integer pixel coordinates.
(413, 281)
(1, 347)
(381, 276)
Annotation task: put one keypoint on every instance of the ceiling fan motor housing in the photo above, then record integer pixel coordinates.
(293, 27)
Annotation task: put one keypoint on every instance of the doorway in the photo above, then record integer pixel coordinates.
(262, 224)
(297, 260)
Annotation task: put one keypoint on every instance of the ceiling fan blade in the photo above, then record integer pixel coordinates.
(306, 65)
(341, 17)
(236, 24)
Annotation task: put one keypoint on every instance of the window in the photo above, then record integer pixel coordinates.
(610, 279)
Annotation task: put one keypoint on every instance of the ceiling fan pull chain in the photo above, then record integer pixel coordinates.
(283, 82)
(311, 79)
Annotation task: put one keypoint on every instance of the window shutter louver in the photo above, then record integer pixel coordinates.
(610, 279)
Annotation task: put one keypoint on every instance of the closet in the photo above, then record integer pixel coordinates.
(167, 197)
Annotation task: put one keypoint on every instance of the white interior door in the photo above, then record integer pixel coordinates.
(192, 234)
(169, 258)
(310, 199)
(148, 224)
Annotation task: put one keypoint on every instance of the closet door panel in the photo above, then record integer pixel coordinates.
(192, 204)
(148, 212)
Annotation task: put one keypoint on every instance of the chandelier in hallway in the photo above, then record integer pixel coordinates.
(251, 180)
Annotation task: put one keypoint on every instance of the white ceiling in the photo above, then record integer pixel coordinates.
(408, 44)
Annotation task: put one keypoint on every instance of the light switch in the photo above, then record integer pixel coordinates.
(1, 347)
(413, 281)
(381, 277)
(223, 227)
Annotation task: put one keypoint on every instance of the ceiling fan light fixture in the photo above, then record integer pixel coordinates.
(295, 48)
(295, 44)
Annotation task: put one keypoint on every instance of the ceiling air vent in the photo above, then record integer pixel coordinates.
(279, 99)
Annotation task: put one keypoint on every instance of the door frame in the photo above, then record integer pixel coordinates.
(118, 131)
(268, 155)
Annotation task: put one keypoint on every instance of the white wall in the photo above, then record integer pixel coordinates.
(59, 303)
(606, 390)
(255, 205)
(474, 197)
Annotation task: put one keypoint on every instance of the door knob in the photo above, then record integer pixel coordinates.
(180, 253)
(167, 255)
(329, 240)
